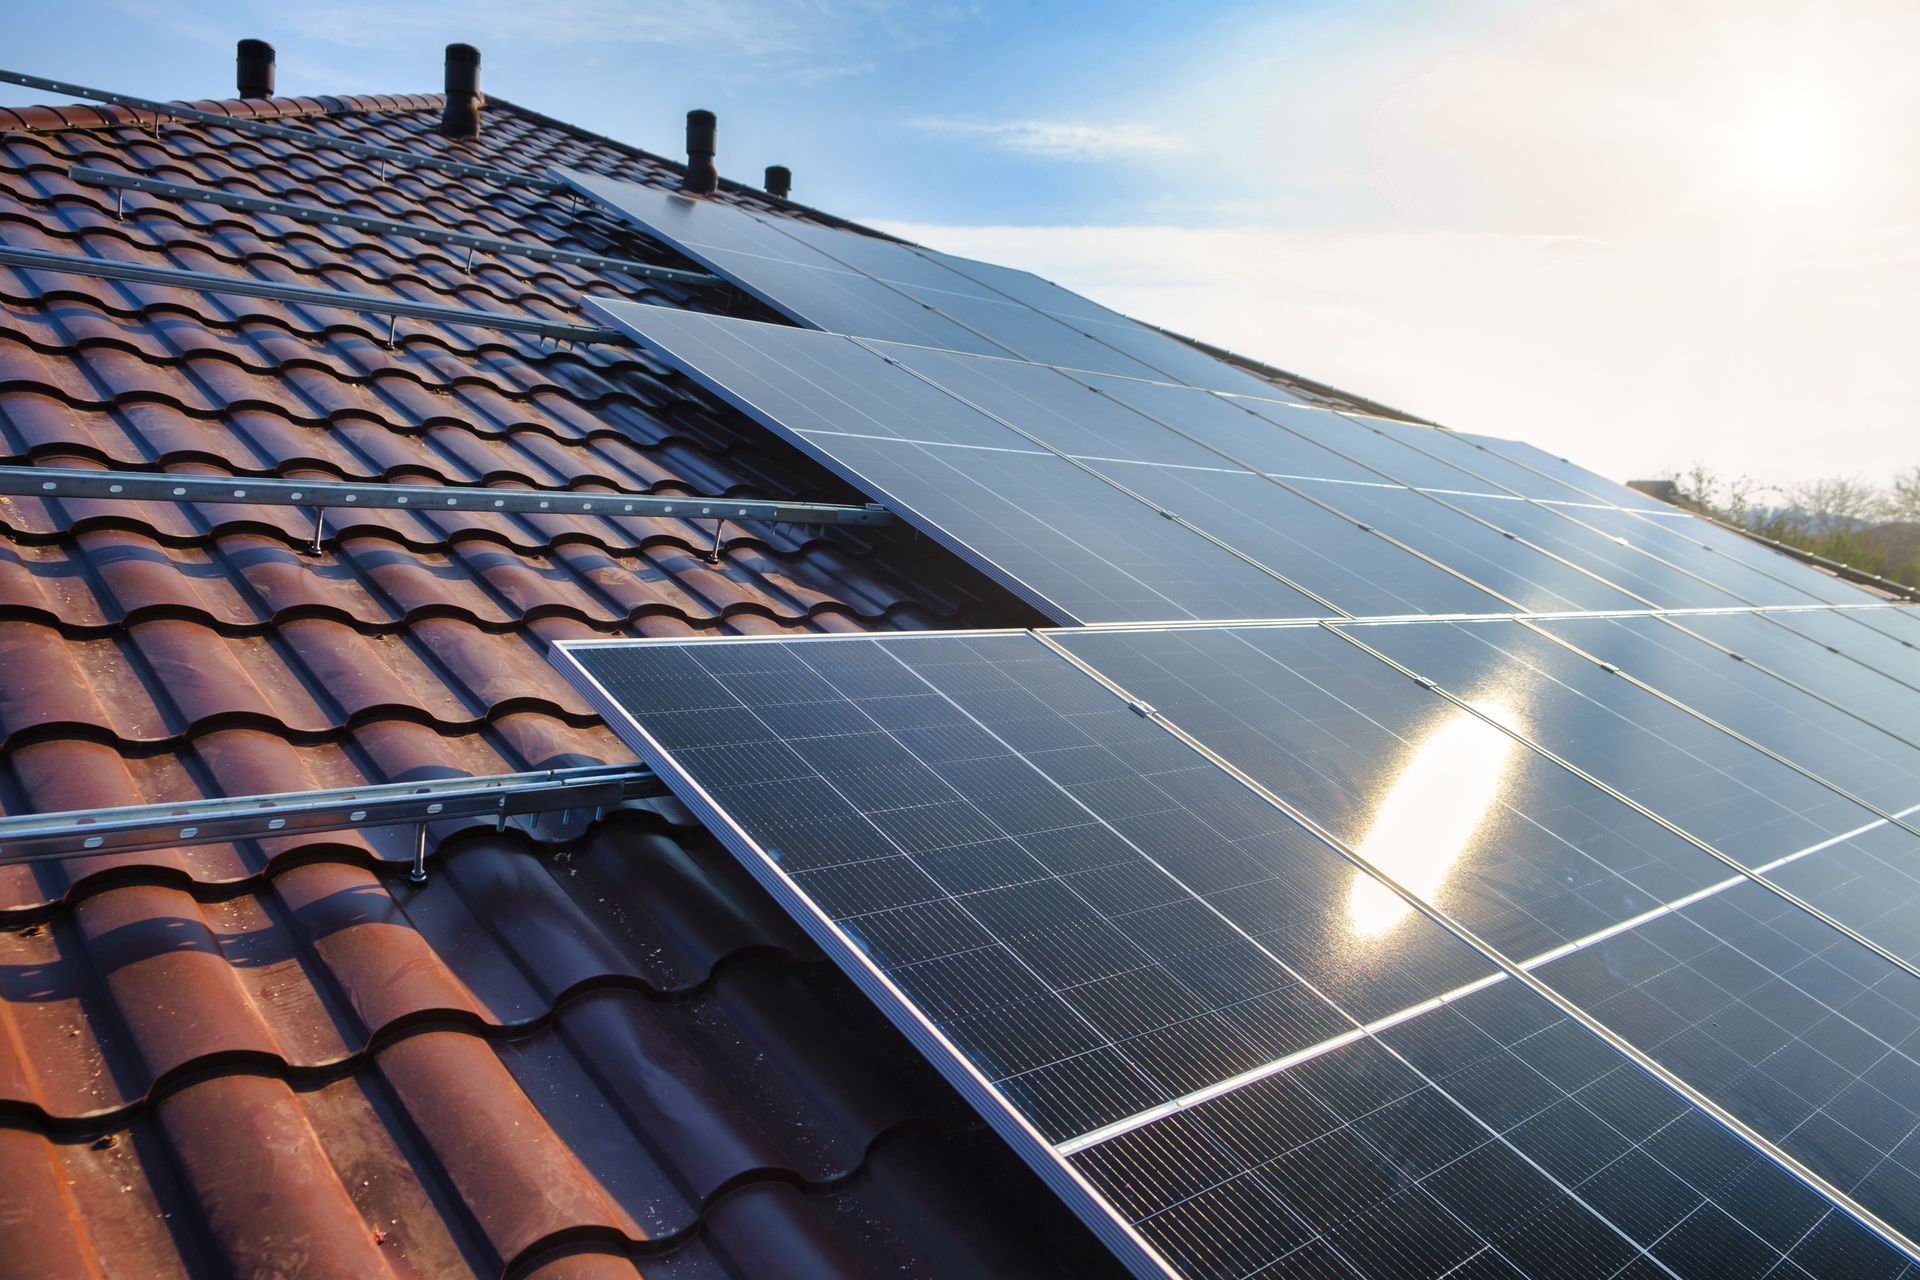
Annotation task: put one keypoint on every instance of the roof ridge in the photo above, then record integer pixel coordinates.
(730, 185)
(87, 115)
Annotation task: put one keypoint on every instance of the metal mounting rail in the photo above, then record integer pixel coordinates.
(382, 226)
(304, 137)
(209, 282)
(41, 837)
(165, 486)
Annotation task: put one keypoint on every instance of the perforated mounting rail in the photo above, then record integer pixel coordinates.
(163, 486)
(128, 829)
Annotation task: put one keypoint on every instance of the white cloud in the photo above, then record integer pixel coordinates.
(1633, 357)
(1058, 139)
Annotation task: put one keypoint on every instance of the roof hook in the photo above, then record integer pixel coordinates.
(713, 556)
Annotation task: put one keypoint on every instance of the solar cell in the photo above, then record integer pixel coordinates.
(1010, 851)
(1097, 337)
(1225, 425)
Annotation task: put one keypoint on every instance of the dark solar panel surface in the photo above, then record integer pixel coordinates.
(1832, 634)
(1523, 852)
(1683, 542)
(1102, 922)
(1791, 1025)
(1694, 831)
(1493, 1136)
(1741, 801)
(1496, 472)
(1903, 624)
(1838, 746)
(1101, 918)
(845, 282)
(1073, 545)
(1561, 531)
(1535, 458)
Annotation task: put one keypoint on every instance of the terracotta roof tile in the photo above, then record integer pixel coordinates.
(589, 1047)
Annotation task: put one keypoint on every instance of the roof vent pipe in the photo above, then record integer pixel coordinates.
(779, 180)
(701, 177)
(461, 117)
(253, 71)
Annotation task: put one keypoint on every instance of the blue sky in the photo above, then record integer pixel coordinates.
(1640, 232)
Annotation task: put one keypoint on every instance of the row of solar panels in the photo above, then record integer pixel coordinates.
(846, 282)
(1104, 499)
(1401, 944)
(1545, 945)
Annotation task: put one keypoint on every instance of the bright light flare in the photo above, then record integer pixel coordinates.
(1792, 147)
(1430, 814)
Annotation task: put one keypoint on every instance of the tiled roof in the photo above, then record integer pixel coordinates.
(592, 1050)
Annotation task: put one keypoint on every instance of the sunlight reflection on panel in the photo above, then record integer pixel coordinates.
(1431, 811)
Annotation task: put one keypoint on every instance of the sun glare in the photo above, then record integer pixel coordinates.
(1430, 814)
(1790, 149)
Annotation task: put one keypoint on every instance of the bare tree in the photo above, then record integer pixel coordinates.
(1730, 497)
(1834, 504)
(1903, 496)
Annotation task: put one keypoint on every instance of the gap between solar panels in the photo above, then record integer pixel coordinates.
(788, 747)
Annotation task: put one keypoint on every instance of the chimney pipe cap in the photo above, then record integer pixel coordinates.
(779, 180)
(253, 69)
(702, 177)
(461, 116)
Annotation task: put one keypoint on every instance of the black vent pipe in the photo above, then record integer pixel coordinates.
(779, 180)
(253, 69)
(461, 117)
(701, 177)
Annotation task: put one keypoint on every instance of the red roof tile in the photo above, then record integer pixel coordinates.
(593, 1048)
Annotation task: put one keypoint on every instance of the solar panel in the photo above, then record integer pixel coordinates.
(1049, 529)
(1194, 1016)
(1903, 624)
(1842, 748)
(1453, 862)
(1750, 806)
(867, 286)
(1868, 655)
(1789, 1023)
(1537, 459)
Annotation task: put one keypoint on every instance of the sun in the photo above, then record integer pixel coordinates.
(1791, 148)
